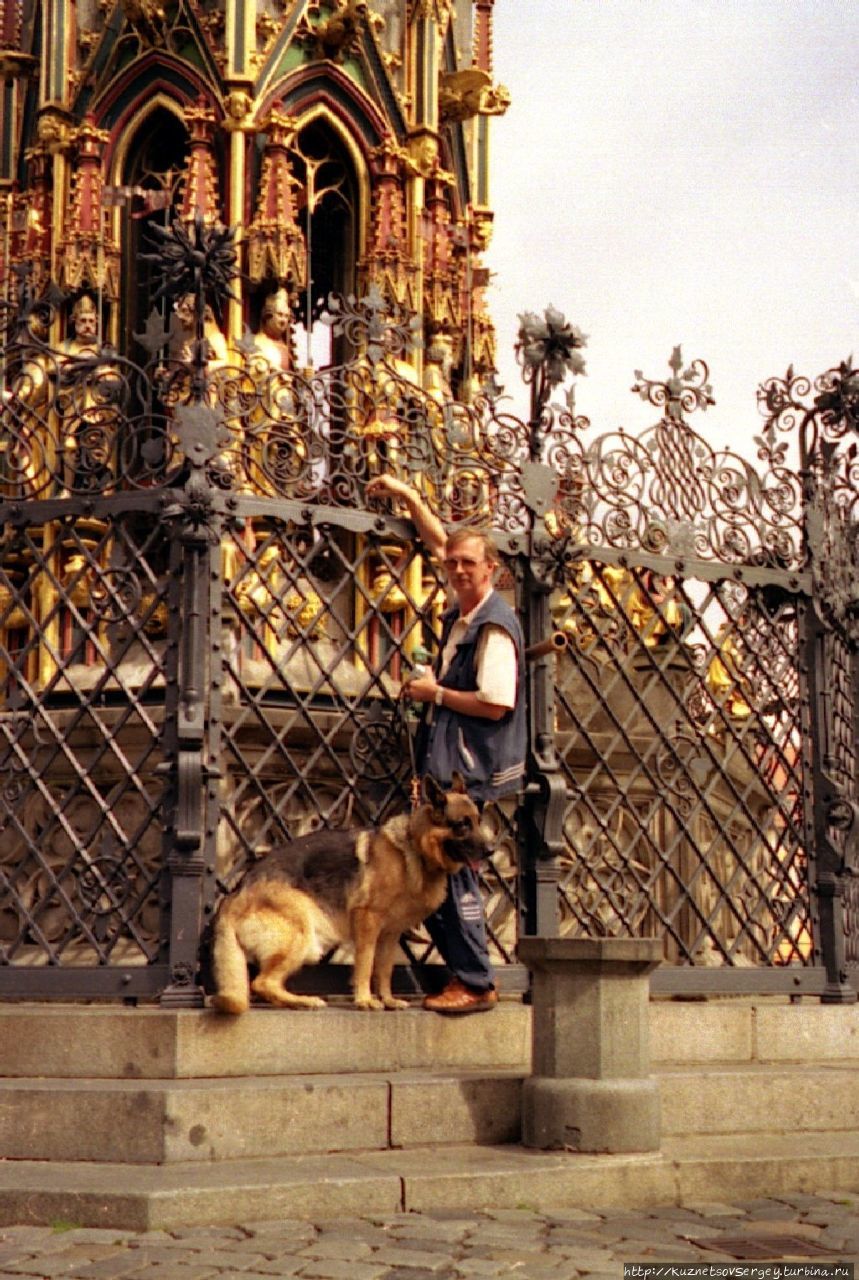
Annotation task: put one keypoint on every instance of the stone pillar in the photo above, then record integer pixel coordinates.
(590, 1088)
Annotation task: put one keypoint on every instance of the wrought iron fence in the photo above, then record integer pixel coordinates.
(204, 623)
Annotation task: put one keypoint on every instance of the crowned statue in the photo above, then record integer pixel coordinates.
(84, 338)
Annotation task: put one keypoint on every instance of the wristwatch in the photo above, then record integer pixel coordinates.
(439, 696)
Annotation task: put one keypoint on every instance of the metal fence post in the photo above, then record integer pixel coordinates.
(185, 861)
(834, 817)
(830, 530)
(547, 350)
(541, 825)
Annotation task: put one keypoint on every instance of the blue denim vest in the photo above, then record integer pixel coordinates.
(490, 754)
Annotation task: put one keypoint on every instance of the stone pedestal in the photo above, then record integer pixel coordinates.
(590, 1088)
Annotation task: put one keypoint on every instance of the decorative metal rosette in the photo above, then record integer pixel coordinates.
(548, 349)
(196, 259)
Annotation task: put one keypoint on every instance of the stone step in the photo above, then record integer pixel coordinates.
(170, 1121)
(752, 1029)
(753, 1098)
(165, 1121)
(71, 1041)
(105, 1042)
(143, 1197)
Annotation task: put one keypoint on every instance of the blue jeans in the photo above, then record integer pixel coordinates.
(458, 930)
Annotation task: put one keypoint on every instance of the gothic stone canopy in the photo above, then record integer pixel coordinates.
(345, 140)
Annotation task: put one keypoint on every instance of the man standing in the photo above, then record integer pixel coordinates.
(474, 722)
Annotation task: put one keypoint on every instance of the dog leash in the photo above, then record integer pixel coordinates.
(405, 724)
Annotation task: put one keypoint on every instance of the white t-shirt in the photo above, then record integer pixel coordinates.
(497, 669)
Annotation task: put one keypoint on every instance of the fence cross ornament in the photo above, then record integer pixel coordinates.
(687, 390)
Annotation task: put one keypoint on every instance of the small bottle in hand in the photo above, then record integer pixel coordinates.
(420, 667)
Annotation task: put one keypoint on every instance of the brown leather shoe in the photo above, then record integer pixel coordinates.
(457, 998)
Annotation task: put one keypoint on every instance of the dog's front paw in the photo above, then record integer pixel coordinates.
(368, 1002)
(391, 1002)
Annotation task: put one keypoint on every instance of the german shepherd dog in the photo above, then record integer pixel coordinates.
(363, 887)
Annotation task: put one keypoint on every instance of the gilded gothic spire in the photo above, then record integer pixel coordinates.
(89, 256)
(275, 242)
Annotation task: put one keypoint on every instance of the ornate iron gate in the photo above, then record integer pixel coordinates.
(204, 622)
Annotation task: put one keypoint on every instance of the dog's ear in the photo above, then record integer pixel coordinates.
(457, 782)
(433, 792)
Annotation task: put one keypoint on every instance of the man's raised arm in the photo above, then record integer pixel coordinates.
(430, 529)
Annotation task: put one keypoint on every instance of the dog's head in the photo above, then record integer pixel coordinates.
(452, 833)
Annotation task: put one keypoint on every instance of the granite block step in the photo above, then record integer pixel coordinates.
(144, 1197)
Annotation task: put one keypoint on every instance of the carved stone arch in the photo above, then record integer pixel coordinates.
(329, 162)
(147, 111)
(137, 36)
(149, 154)
(325, 83)
(156, 75)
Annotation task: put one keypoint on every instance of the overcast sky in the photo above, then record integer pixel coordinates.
(679, 171)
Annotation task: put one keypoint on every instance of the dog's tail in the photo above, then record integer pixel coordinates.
(232, 988)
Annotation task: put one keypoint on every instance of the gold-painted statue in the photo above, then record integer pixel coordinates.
(272, 341)
(87, 412)
(28, 450)
(437, 370)
(183, 334)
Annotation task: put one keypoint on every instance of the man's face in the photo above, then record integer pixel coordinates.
(468, 571)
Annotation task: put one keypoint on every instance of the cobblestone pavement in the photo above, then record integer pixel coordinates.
(526, 1243)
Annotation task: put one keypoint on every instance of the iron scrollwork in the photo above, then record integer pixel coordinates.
(378, 751)
(823, 415)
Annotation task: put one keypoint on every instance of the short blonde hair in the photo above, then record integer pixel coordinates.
(462, 534)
